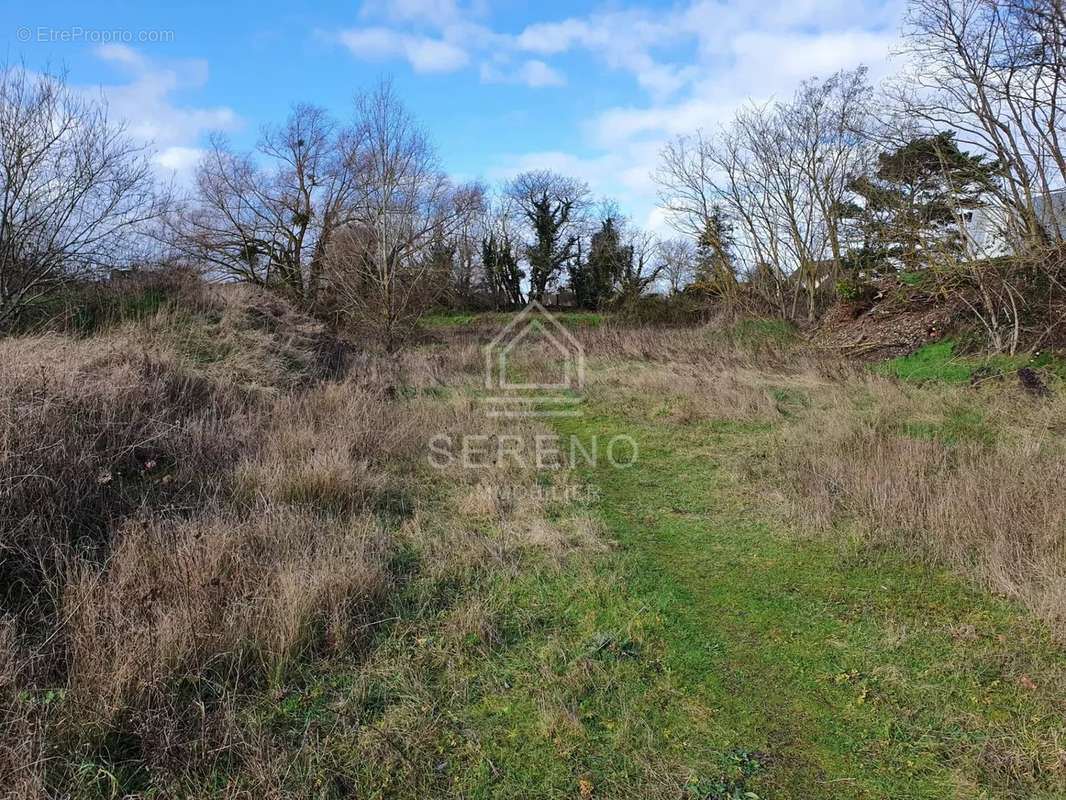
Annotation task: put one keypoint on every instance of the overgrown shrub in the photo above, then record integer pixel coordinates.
(196, 506)
(89, 437)
(677, 309)
(86, 307)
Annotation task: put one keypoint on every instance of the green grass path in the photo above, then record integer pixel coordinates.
(799, 668)
(709, 651)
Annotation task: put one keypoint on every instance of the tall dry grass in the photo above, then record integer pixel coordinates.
(197, 504)
(90, 433)
(126, 569)
(974, 479)
(971, 477)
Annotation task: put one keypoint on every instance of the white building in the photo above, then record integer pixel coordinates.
(986, 228)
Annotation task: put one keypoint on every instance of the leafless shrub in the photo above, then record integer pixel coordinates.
(378, 267)
(75, 191)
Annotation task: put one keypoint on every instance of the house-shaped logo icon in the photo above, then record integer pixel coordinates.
(556, 395)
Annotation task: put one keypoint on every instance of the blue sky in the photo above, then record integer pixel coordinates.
(589, 89)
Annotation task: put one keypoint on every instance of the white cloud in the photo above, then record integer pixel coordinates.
(550, 38)
(532, 73)
(760, 66)
(433, 12)
(424, 53)
(610, 174)
(780, 59)
(536, 74)
(594, 171)
(121, 54)
(623, 40)
(431, 55)
(696, 61)
(657, 221)
(146, 104)
(699, 63)
(179, 159)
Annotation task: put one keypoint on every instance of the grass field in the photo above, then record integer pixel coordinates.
(684, 636)
(939, 361)
(838, 670)
(813, 581)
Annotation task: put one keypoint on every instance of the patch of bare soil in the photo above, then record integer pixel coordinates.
(895, 321)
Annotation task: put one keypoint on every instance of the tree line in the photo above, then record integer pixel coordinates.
(952, 170)
(356, 219)
(782, 209)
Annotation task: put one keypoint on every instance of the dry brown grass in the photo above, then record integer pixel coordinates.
(986, 496)
(329, 448)
(215, 595)
(90, 434)
(196, 504)
(703, 373)
(969, 477)
(199, 505)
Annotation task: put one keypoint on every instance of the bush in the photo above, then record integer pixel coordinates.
(677, 309)
(855, 290)
(87, 307)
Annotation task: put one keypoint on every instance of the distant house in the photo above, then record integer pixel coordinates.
(824, 270)
(986, 228)
(560, 299)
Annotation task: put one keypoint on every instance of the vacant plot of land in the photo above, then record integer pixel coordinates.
(829, 668)
(812, 582)
(703, 630)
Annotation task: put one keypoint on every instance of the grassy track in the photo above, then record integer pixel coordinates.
(710, 651)
(812, 670)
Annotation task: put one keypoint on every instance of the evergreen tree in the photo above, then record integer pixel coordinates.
(502, 273)
(715, 272)
(915, 204)
(594, 280)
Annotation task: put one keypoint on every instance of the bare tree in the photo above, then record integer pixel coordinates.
(467, 276)
(312, 189)
(678, 258)
(401, 205)
(270, 224)
(688, 189)
(643, 264)
(552, 207)
(75, 190)
(992, 70)
(829, 123)
(706, 177)
(778, 173)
